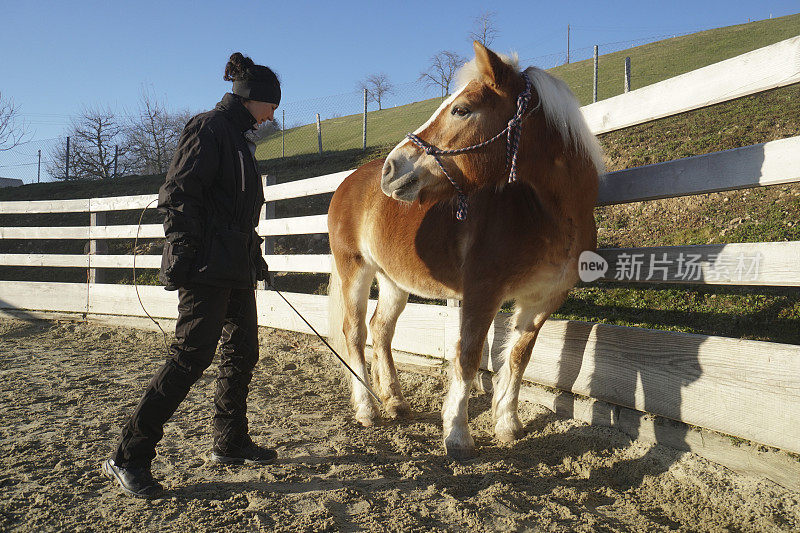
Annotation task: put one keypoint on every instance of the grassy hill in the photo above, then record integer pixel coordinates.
(654, 62)
(650, 63)
(343, 133)
(763, 214)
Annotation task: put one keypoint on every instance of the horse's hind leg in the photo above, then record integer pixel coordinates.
(391, 302)
(356, 280)
(528, 319)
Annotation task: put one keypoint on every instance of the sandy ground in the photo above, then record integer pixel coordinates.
(67, 387)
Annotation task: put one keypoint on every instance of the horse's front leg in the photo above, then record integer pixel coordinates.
(477, 314)
(391, 301)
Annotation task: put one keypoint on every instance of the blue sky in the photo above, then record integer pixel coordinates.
(60, 56)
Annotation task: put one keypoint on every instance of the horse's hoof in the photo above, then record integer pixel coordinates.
(459, 453)
(365, 421)
(365, 416)
(397, 408)
(507, 436)
(508, 432)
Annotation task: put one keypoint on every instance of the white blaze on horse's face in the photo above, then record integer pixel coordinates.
(407, 170)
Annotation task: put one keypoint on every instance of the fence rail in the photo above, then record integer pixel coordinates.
(742, 264)
(750, 389)
(767, 68)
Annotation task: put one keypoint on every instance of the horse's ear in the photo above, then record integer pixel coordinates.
(493, 69)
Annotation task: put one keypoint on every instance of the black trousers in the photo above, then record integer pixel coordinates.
(206, 315)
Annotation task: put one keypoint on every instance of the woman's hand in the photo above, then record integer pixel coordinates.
(177, 274)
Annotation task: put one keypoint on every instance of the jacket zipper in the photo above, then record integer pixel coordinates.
(241, 163)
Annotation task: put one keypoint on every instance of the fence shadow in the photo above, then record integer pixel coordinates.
(642, 378)
(6, 309)
(32, 324)
(628, 379)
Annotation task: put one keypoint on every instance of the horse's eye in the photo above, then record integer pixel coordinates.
(460, 111)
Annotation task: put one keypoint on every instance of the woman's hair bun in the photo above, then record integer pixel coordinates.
(237, 66)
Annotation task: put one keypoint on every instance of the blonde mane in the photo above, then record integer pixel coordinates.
(561, 109)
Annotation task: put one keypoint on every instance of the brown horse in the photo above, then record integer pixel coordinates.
(520, 239)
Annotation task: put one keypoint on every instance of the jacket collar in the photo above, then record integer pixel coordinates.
(233, 108)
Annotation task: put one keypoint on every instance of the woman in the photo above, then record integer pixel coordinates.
(211, 199)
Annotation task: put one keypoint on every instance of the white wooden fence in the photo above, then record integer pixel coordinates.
(745, 388)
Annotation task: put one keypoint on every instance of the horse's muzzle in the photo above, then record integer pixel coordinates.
(399, 180)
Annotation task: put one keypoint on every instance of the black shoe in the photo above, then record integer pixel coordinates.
(138, 482)
(252, 453)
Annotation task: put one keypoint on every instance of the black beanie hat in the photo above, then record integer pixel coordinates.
(251, 81)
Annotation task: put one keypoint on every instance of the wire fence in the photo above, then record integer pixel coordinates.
(342, 121)
(576, 55)
(29, 161)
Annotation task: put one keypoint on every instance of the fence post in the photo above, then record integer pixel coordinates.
(365, 118)
(267, 212)
(66, 174)
(97, 247)
(283, 135)
(627, 74)
(319, 134)
(39, 168)
(567, 43)
(594, 90)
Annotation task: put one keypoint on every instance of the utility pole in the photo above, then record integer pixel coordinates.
(283, 135)
(39, 169)
(116, 157)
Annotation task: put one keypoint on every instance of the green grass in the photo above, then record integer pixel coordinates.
(762, 313)
(758, 118)
(386, 126)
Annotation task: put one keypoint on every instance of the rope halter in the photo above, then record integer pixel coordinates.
(512, 132)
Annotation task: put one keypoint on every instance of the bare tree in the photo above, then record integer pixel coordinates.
(95, 135)
(377, 86)
(153, 134)
(442, 69)
(11, 132)
(484, 31)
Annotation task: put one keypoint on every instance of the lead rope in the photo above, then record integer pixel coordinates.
(512, 131)
(136, 285)
(166, 344)
(369, 389)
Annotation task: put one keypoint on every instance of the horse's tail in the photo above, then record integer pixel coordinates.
(336, 311)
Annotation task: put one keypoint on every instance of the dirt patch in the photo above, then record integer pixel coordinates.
(67, 387)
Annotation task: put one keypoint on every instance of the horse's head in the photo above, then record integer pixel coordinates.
(476, 112)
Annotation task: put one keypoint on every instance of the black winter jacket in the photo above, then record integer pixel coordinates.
(211, 200)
